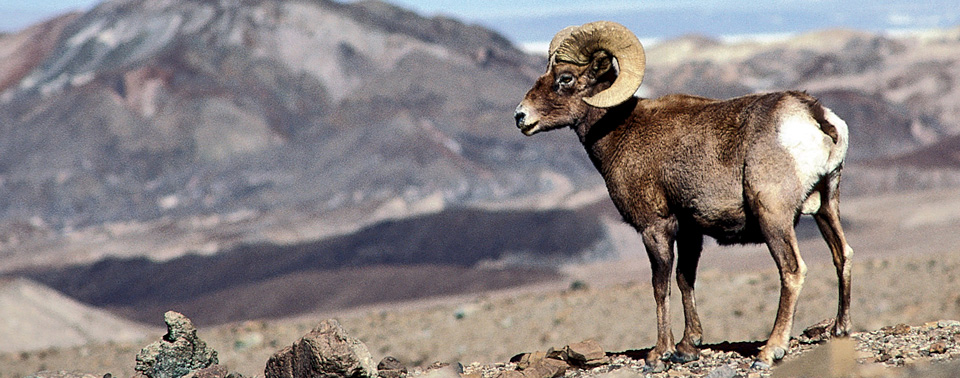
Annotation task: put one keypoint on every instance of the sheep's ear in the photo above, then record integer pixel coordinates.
(602, 63)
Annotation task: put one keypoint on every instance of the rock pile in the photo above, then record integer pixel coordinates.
(555, 363)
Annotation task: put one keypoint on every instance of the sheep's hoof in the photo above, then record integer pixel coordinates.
(654, 367)
(779, 353)
(769, 354)
(682, 358)
(685, 352)
(760, 365)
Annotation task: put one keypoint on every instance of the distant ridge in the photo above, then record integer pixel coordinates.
(36, 317)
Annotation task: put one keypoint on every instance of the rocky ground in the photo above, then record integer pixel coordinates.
(484, 332)
(906, 271)
(928, 350)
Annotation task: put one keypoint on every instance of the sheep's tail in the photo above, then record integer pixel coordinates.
(820, 114)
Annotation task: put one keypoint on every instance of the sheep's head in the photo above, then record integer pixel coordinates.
(581, 75)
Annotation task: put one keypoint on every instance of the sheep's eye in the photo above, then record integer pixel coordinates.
(565, 80)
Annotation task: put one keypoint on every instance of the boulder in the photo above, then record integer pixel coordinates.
(327, 351)
(179, 353)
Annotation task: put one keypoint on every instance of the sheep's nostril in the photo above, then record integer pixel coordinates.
(519, 116)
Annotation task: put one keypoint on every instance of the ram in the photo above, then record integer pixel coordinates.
(680, 167)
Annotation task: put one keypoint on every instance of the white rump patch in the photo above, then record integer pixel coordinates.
(800, 134)
(840, 150)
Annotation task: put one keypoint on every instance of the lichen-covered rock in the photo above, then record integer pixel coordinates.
(178, 353)
(327, 351)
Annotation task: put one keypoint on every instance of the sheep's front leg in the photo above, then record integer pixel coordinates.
(689, 246)
(658, 240)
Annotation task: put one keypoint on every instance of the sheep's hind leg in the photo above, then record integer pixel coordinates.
(777, 226)
(658, 240)
(689, 246)
(828, 219)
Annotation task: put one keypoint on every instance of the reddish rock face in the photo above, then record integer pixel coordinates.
(21, 52)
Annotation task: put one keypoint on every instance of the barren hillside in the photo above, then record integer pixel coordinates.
(262, 164)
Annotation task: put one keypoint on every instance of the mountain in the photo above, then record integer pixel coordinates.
(143, 109)
(157, 153)
(150, 108)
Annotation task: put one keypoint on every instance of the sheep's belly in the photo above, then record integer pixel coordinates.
(729, 226)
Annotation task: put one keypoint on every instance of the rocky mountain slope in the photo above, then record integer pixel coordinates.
(141, 109)
(148, 108)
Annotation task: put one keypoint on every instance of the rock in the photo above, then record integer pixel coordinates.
(546, 368)
(899, 329)
(390, 367)
(528, 359)
(61, 374)
(178, 353)
(817, 333)
(391, 363)
(620, 373)
(542, 368)
(327, 351)
(724, 371)
(585, 353)
(938, 347)
(538, 365)
(445, 371)
(215, 371)
(948, 323)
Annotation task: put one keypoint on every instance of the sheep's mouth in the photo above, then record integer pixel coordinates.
(530, 129)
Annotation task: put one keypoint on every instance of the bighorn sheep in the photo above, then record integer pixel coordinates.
(679, 167)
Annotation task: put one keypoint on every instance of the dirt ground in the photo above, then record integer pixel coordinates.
(906, 270)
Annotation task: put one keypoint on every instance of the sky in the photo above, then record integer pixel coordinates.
(531, 21)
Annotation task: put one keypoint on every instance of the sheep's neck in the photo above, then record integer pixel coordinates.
(596, 129)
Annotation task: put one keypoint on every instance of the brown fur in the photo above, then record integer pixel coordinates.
(680, 167)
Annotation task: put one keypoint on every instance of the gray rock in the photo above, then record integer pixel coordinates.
(327, 351)
(724, 371)
(62, 374)
(948, 323)
(390, 367)
(179, 353)
(215, 371)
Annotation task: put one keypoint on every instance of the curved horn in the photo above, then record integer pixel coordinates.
(561, 35)
(616, 39)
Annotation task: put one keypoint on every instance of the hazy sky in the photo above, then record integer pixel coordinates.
(534, 20)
